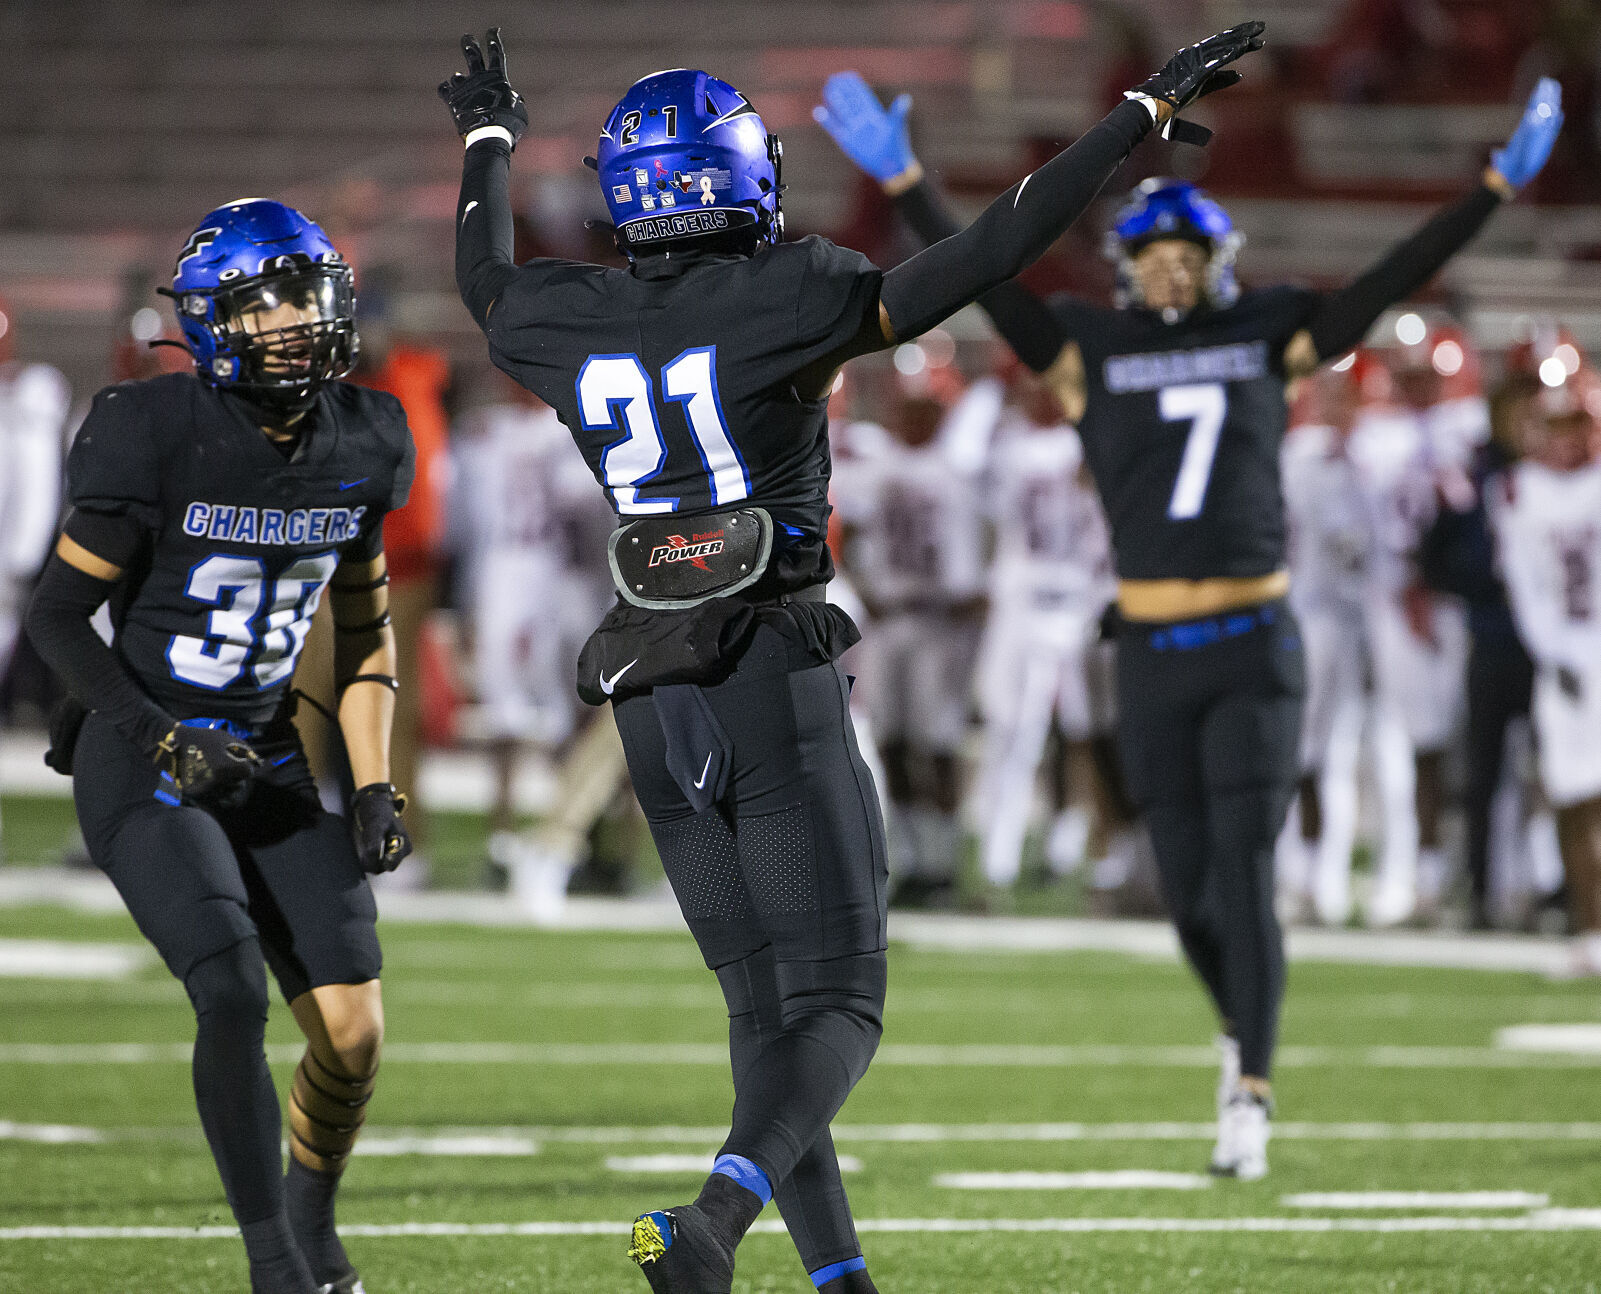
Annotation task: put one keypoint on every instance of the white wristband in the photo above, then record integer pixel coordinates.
(1144, 100)
(501, 133)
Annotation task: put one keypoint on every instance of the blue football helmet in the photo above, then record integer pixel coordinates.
(684, 156)
(1162, 208)
(244, 264)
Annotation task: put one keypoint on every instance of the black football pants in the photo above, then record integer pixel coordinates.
(782, 884)
(1209, 728)
(1500, 684)
(217, 893)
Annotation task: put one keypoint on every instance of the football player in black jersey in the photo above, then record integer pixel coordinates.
(212, 509)
(696, 384)
(1179, 396)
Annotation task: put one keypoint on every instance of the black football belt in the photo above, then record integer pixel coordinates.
(672, 562)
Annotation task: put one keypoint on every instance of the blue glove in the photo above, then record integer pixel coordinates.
(1531, 143)
(875, 139)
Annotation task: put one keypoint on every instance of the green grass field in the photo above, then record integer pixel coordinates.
(581, 1053)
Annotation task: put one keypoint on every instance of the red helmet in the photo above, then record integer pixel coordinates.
(1433, 361)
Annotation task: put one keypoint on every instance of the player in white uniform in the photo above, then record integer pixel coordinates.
(914, 539)
(1548, 528)
(1409, 452)
(1334, 543)
(526, 519)
(34, 403)
(1042, 660)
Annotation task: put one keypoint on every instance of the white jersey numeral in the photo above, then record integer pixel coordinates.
(1205, 408)
(238, 630)
(615, 394)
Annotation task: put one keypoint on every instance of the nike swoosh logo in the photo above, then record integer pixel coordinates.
(700, 782)
(351, 485)
(468, 210)
(607, 684)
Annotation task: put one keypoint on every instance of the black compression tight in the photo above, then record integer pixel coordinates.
(800, 1036)
(1218, 884)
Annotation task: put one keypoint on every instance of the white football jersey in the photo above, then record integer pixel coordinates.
(1331, 522)
(917, 525)
(34, 403)
(1051, 537)
(1405, 455)
(1548, 533)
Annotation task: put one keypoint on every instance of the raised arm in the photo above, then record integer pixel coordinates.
(490, 117)
(1343, 318)
(1015, 229)
(877, 140)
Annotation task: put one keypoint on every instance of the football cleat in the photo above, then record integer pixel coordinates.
(680, 1254)
(1242, 1136)
(350, 1283)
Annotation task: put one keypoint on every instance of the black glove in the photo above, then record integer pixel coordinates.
(66, 721)
(381, 840)
(1193, 73)
(211, 766)
(481, 96)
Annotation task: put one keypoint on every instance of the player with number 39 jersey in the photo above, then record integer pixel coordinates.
(696, 383)
(213, 510)
(1178, 393)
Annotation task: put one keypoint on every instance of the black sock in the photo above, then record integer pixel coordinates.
(729, 1209)
(310, 1196)
(276, 1264)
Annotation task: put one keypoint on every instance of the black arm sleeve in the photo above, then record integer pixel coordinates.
(1343, 318)
(1022, 319)
(484, 237)
(58, 623)
(1014, 230)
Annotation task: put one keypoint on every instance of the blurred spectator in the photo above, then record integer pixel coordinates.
(418, 376)
(1546, 523)
(34, 402)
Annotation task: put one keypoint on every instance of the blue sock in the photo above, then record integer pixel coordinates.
(746, 1174)
(837, 1271)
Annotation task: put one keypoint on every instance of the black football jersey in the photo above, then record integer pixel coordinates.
(241, 542)
(1182, 429)
(676, 380)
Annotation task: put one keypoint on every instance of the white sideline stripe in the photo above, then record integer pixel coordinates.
(60, 959)
(1416, 1200)
(895, 1055)
(1544, 1220)
(869, 1133)
(1567, 1039)
(49, 1134)
(1128, 1179)
(699, 1165)
(468, 1146)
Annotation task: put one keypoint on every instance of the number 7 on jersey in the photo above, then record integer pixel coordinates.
(1204, 407)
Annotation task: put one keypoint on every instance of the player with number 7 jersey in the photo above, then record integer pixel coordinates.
(1178, 392)
(695, 383)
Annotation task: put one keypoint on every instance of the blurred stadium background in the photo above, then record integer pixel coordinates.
(124, 121)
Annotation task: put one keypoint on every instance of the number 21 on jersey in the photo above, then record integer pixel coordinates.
(615, 394)
(1204, 407)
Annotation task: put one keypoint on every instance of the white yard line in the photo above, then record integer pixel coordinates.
(61, 959)
(1416, 1200)
(1000, 935)
(464, 1145)
(699, 1165)
(1127, 1179)
(1569, 1039)
(893, 1055)
(859, 1133)
(1541, 1221)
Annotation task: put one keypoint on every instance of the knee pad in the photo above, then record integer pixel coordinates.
(231, 985)
(750, 986)
(854, 986)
